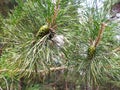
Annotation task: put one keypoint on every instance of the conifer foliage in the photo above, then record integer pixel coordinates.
(61, 44)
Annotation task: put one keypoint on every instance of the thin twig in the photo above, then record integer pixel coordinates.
(116, 50)
(39, 71)
(54, 17)
(98, 39)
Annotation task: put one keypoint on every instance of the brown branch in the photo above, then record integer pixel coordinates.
(98, 39)
(39, 71)
(54, 17)
(116, 50)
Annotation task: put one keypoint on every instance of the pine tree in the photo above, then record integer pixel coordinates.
(70, 40)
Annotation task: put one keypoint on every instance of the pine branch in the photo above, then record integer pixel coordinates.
(116, 50)
(53, 25)
(98, 39)
(39, 71)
